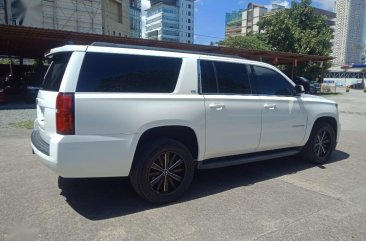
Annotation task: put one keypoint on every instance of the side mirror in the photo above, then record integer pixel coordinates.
(299, 89)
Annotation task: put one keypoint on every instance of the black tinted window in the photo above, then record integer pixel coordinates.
(208, 78)
(224, 78)
(232, 78)
(102, 72)
(269, 82)
(55, 72)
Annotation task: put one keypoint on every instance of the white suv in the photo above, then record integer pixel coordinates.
(157, 115)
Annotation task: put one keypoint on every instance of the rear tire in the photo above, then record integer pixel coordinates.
(162, 171)
(321, 144)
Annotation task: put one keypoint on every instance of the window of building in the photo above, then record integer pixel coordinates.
(170, 18)
(189, 13)
(188, 35)
(153, 12)
(189, 6)
(171, 32)
(120, 15)
(189, 27)
(189, 20)
(270, 82)
(128, 73)
(169, 10)
(114, 33)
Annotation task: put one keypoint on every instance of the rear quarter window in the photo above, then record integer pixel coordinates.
(56, 71)
(105, 72)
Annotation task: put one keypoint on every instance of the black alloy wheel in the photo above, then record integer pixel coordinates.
(321, 143)
(167, 172)
(162, 171)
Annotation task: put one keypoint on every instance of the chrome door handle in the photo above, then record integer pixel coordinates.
(270, 106)
(217, 106)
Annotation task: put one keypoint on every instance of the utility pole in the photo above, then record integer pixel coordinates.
(6, 11)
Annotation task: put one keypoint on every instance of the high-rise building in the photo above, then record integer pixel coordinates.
(349, 37)
(135, 18)
(170, 20)
(233, 23)
(110, 17)
(254, 12)
(251, 17)
(2, 12)
(243, 22)
(115, 17)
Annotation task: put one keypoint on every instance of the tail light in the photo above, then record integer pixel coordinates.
(65, 114)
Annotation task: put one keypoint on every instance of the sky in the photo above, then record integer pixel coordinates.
(209, 25)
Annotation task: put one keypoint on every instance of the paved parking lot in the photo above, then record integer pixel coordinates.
(281, 199)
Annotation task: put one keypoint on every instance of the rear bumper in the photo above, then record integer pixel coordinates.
(39, 143)
(86, 156)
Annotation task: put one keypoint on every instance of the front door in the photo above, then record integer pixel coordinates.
(283, 114)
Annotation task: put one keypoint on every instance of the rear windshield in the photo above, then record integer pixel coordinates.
(55, 72)
(105, 72)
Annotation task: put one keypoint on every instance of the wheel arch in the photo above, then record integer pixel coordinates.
(184, 134)
(328, 119)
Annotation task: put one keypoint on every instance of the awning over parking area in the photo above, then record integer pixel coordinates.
(27, 42)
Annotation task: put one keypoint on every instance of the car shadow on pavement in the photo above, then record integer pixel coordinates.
(103, 198)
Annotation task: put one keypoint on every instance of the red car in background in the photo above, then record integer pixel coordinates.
(2, 92)
(2, 96)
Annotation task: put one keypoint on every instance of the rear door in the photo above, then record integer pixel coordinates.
(233, 113)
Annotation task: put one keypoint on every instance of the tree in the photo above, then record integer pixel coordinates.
(246, 42)
(5, 61)
(298, 30)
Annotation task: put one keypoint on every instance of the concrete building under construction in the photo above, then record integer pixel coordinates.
(109, 17)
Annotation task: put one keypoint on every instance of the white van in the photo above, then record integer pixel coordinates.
(156, 115)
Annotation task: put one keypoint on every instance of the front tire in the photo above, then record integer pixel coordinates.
(321, 144)
(162, 171)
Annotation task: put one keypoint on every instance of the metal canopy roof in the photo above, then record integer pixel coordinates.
(30, 42)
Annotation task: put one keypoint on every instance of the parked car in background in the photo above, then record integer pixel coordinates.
(328, 86)
(33, 81)
(2, 91)
(2, 96)
(311, 87)
(315, 87)
(299, 80)
(14, 84)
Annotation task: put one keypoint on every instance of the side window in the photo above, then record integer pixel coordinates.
(269, 82)
(104, 72)
(208, 79)
(232, 78)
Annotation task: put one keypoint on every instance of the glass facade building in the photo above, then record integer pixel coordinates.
(349, 37)
(135, 19)
(170, 20)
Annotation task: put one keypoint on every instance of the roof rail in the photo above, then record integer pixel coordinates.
(129, 46)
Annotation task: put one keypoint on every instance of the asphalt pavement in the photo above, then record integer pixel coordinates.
(280, 199)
